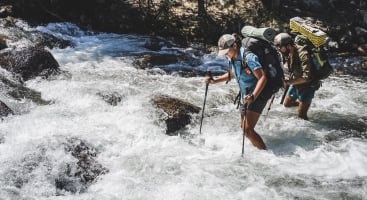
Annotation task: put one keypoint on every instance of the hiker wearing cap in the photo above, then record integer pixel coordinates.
(298, 62)
(251, 81)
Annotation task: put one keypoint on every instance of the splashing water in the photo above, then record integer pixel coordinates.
(324, 158)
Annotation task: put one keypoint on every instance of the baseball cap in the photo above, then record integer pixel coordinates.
(224, 43)
(282, 39)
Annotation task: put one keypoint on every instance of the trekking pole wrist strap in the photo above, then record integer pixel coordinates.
(252, 97)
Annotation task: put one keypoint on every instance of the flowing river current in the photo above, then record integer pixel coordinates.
(323, 158)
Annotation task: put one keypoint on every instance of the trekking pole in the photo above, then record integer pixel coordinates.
(208, 73)
(284, 94)
(269, 107)
(244, 126)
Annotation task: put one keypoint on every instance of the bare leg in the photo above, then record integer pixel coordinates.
(303, 109)
(288, 102)
(251, 120)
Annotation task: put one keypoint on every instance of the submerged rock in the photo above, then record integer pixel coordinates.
(22, 171)
(77, 177)
(111, 98)
(72, 172)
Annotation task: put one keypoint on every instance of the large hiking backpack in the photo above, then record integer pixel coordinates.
(320, 66)
(314, 41)
(269, 60)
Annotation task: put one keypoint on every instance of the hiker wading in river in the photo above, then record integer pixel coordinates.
(251, 81)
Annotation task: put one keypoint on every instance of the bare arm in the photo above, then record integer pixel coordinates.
(220, 78)
(296, 81)
(261, 82)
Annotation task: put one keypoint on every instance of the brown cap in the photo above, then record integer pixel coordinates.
(224, 43)
(282, 39)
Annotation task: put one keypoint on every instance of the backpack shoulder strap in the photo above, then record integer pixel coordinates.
(244, 53)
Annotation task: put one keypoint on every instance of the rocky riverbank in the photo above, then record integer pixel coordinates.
(24, 55)
(344, 21)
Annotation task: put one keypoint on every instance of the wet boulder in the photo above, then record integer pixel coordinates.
(29, 62)
(5, 110)
(179, 63)
(3, 44)
(155, 44)
(175, 112)
(48, 40)
(12, 86)
(150, 60)
(18, 32)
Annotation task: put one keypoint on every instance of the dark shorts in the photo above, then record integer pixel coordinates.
(257, 106)
(304, 95)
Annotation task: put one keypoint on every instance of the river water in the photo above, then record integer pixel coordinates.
(323, 158)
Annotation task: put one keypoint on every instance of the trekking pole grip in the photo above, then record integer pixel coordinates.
(209, 73)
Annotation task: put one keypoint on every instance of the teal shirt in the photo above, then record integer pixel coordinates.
(245, 80)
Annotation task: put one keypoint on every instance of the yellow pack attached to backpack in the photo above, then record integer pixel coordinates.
(302, 26)
(320, 66)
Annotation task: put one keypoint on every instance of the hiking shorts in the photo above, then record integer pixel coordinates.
(304, 95)
(257, 106)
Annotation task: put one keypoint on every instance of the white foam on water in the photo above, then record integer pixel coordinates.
(145, 163)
